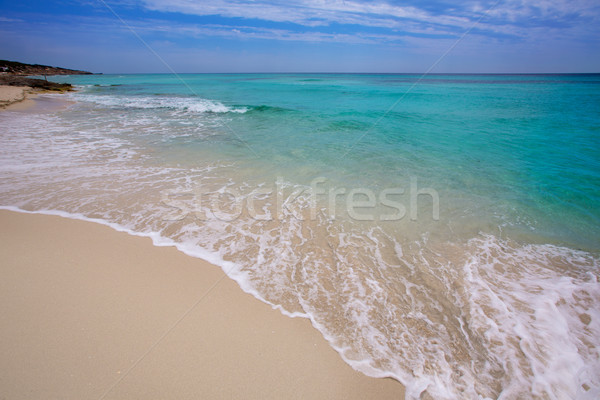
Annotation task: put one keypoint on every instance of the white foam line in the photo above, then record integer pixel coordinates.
(363, 366)
(190, 104)
(160, 241)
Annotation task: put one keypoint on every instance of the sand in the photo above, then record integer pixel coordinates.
(10, 94)
(33, 101)
(91, 313)
(16, 98)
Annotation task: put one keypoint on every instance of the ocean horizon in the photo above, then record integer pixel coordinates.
(439, 229)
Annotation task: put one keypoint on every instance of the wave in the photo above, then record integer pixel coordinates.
(94, 94)
(187, 104)
(265, 108)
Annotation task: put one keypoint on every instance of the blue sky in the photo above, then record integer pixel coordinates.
(304, 35)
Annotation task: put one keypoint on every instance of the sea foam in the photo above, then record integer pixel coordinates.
(189, 104)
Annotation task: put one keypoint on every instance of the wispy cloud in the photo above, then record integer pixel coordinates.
(422, 16)
(308, 12)
(241, 32)
(4, 19)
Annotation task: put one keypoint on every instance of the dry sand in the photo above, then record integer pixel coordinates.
(28, 100)
(91, 313)
(16, 97)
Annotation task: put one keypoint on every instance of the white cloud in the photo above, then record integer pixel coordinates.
(4, 19)
(308, 12)
(242, 32)
(382, 14)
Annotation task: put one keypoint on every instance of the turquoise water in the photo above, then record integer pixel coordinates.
(523, 148)
(469, 269)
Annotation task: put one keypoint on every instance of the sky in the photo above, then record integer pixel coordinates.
(377, 36)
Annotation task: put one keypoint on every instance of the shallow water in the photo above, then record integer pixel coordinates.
(442, 231)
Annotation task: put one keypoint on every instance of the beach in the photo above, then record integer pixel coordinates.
(290, 235)
(88, 312)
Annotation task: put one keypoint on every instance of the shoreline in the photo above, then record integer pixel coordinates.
(89, 311)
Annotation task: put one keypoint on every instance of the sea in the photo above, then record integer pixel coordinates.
(440, 230)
